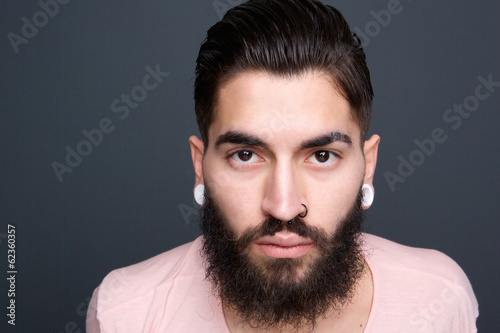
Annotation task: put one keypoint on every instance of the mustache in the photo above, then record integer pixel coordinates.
(270, 227)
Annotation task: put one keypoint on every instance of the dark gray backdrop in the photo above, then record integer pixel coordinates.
(130, 197)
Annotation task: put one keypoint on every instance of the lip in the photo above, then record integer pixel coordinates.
(284, 244)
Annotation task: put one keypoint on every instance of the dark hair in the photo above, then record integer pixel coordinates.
(284, 38)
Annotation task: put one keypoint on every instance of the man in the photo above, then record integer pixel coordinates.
(283, 172)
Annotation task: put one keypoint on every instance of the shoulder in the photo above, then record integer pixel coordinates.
(167, 293)
(420, 287)
(158, 272)
(391, 254)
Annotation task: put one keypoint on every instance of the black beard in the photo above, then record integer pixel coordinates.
(269, 294)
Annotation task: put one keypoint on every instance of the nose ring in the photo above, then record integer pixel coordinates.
(305, 214)
(290, 222)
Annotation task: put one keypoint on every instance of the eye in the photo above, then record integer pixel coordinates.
(244, 156)
(323, 157)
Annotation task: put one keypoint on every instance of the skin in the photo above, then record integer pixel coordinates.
(282, 167)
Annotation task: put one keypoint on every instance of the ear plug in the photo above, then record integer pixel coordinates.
(199, 194)
(368, 195)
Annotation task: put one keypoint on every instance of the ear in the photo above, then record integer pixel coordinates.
(370, 151)
(197, 151)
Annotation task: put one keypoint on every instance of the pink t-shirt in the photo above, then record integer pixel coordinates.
(415, 290)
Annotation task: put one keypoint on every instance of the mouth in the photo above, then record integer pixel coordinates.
(284, 244)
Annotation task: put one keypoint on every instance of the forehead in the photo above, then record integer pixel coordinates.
(276, 108)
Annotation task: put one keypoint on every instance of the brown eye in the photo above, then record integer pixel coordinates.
(245, 155)
(323, 157)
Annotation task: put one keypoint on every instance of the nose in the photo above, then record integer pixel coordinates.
(284, 193)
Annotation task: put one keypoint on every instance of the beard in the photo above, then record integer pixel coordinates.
(270, 293)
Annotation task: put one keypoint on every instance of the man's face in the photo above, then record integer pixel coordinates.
(276, 145)
(270, 152)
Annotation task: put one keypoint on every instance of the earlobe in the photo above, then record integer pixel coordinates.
(197, 151)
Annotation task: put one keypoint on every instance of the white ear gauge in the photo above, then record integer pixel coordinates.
(368, 195)
(199, 194)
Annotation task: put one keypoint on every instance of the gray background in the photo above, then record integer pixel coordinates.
(125, 201)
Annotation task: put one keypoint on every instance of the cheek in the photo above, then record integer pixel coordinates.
(237, 199)
(333, 197)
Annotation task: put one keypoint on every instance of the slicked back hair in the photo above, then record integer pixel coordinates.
(285, 38)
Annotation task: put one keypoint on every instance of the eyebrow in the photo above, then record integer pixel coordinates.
(326, 139)
(239, 139)
(250, 140)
